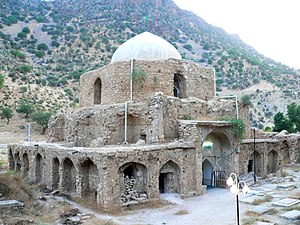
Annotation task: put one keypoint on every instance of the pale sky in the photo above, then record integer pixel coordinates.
(272, 27)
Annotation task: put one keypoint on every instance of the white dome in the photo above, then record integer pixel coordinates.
(145, 46)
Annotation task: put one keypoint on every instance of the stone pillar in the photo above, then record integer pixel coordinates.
(156, 109)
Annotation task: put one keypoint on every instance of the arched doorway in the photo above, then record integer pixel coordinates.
(55, 173)
(286, 152)
(38, 168)
(272, 165)
(169, 177)
(207, 173)
(90, 179)
(97, 91)
(69, 176)
(179, 88)
(11, 160)
(17, 161)
(133, 181)
(25, 164)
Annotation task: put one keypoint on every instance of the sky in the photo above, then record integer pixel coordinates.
(272, 27)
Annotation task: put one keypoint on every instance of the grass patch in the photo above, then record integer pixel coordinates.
(248, 221)
(272, 212)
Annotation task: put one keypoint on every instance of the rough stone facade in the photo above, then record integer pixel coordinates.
(119, 151)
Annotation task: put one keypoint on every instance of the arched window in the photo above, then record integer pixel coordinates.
(179, 88)
(97, 91)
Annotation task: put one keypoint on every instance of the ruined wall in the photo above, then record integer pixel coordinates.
(115, 81)
(98, 173)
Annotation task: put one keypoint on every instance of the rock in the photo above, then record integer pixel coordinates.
(55, 192)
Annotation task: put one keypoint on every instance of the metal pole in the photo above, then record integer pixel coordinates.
(254, 155)
(237, 210)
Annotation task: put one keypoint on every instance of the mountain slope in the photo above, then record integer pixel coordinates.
(68, 37)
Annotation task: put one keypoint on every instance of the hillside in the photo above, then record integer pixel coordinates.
(46, 45)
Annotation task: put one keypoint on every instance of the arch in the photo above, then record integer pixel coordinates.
(25, 164)
(207, 173)
(17, 162)
(169, 178)
(55, 173)
(133, 181)
(97, 91)
(38, 168)
(217, 145)
(272, 163)
(179, 88)
(11, 160)
(69, 176)
(286, 152)
(90, 179)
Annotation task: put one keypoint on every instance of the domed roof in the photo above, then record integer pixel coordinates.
(145, 46)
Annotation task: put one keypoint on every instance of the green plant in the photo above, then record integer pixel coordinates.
(25, 108)
(7, 113)
(238, 128)
(42, 118)
(1, 81)
(139, 76)
(246, 99)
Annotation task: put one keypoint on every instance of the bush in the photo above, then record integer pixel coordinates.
(42, 46)
(25, 68)
(1, 81)
(188, 47)
(246, 100)
(40, 54)
(26, 30)
(22, 35)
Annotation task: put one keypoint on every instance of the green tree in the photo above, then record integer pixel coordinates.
(25, 108)
(294, 115)
(41, 118)
(21, 35)
(25, 68)
(42, 46)
(6, 113)
(282, 123)
(1, 81)
(26, 30)
(246, 99)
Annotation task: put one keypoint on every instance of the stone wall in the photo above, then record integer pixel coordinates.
(99, 174)
(115, 81)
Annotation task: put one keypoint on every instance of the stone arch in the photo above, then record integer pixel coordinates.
(218, 146)
(69, 176)
(207, 173)
(90, 179)
(169, 178)
(135, 129)
(25, 164)
(286, 152)
(11, 160)
(133, 181)
(38, 168)
(55, 173)
(97, 91)
(17, 162)
(272, 163)
(179, 88)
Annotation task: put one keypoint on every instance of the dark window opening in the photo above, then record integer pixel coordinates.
(143, 137)
(179, 88)
(250, 165)
(162, 182)
(97, 91)
(128, 171)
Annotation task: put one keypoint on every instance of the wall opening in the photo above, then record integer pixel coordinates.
(69, 176)
(25, 164)
(135, 130)
(133, 182)
(38, 168)
(11, 160)
(179, 88)
(90, 179)
(18, 162)
(286, 153)
(250, 165)
(207, 173)
(169, 176)
(97, 91)
(55, 173)
(272, 165)
(258, 164)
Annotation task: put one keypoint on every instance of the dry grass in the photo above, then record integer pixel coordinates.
(272, 212)
(248, 221)
(182, 212)
(94, 221)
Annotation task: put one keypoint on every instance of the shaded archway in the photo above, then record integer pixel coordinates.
(286, 152)
(97, 91)
(169, 177)
(90, 179)
(272, 165)
(38, 168)
(133, 181)
(207, 173)
(11, 160)
(69, 176)
(135, 130)
(55, 173)
(17, 162)
(179, 88)
(25, 164)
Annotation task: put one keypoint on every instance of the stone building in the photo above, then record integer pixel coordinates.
(148, 123)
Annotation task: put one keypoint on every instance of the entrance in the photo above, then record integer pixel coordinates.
(207, 173)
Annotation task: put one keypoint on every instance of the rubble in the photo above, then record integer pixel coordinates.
(131, 194)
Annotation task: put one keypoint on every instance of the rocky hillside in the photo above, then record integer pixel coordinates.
(46, 45)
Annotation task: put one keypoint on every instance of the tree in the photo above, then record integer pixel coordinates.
(25, 68)
(26, 30)
(25, 108)
(7, 113)
(21, 35)
(42, 46)
(42, 118)
(294, 115)
(282, 123)
(246, 100)
(1, 81)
